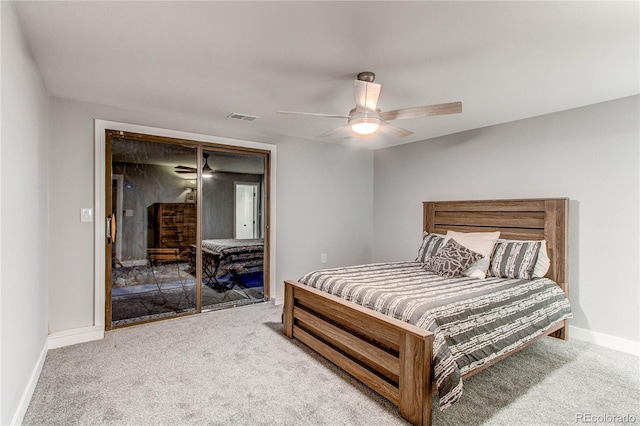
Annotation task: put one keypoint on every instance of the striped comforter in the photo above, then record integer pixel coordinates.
(473, 320)
(243, 256)
(230, 246)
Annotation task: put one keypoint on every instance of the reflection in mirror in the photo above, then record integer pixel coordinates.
(152, 263)
(233, 203)
(154, 204)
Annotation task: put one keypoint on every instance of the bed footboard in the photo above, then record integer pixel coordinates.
(389, 356)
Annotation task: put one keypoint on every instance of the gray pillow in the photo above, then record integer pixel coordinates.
(451, 259)
(431, 243)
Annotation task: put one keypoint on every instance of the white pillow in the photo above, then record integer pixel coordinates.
(480, 242)
(543, 263)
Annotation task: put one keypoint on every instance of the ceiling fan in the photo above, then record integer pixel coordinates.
(366, 119)
(206, 169)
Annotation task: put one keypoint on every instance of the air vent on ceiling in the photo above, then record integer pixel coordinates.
(245, 117)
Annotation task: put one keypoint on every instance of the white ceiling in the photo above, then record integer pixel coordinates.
(504, 60)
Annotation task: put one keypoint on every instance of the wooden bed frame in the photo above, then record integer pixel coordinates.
(393, 358)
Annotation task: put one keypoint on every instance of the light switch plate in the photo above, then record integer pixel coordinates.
(86, 214)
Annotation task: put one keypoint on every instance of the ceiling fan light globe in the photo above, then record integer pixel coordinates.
(365, 128)
(364, 122)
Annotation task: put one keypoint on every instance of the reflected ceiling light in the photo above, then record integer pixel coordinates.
(207, 172)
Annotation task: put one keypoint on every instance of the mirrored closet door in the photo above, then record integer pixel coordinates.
(233, 242)
(185, 228)
(151, 229)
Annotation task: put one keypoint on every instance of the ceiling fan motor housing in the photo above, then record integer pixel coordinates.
(363, 114)
(367, 76)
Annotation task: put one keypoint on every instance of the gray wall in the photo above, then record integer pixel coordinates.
(24, 280)
(325, 205)
(310, 177)
(588, 154)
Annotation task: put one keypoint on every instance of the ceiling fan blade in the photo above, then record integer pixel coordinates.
(423, 111)
(313, 114)
(186, 172)
(367, 94)
(185, 168)
(397, 131)
(333, 131)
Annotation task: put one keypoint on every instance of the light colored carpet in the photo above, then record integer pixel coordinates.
(236, 367)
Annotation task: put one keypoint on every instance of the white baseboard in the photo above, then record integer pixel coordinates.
(611, 342)
(25, 399)
(54, 340)
(77, 335)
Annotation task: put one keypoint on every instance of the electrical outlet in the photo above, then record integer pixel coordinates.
(323, 258)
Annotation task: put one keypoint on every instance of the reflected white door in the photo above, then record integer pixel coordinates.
(246, 210)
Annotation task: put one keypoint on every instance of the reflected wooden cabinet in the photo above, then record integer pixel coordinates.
(171, 225)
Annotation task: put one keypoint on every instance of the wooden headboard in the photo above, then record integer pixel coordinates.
(523, 219)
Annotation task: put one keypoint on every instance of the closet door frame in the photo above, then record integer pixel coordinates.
(102, 297)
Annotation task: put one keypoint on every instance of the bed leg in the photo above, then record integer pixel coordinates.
(287, 311)
(415, 385)
(563, 333)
